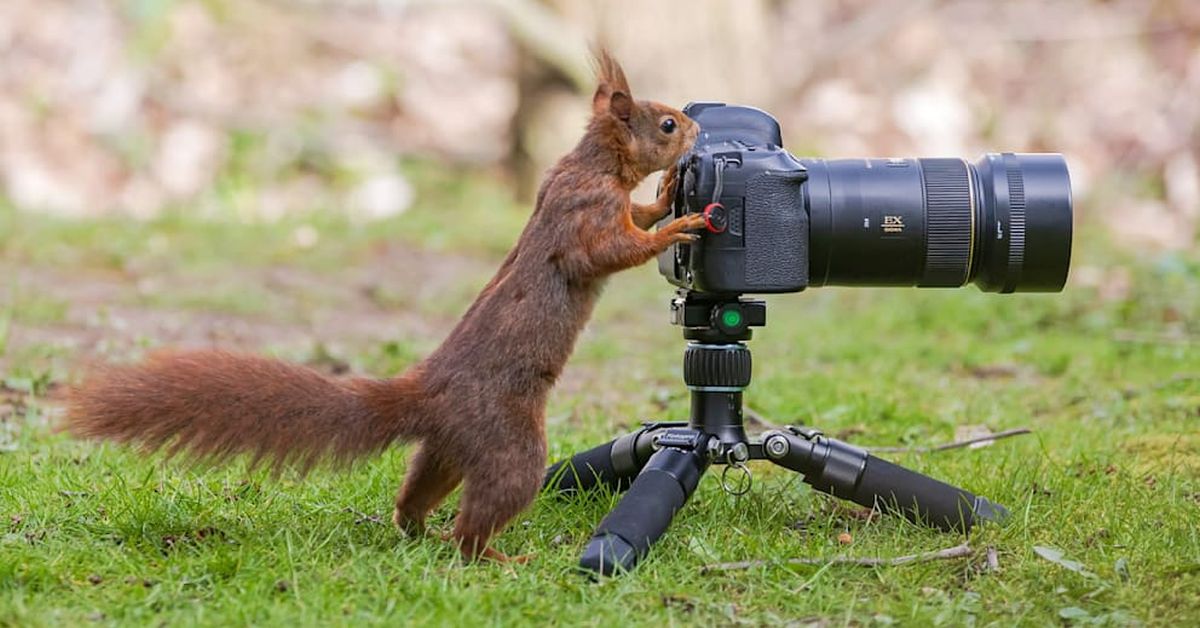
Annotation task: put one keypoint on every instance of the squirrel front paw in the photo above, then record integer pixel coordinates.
(646, 215)
(689, 222)
(675, 231)
(684, 238)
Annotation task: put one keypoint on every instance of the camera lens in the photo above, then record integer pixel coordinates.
(1002, 223)
(1031, 195)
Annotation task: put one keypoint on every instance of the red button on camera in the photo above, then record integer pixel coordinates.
(715, 218)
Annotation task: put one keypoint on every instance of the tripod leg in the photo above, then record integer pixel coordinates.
(643, 514)
(845, 471)
(614, 464)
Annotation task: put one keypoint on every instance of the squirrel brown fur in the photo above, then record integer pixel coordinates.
(476, 404)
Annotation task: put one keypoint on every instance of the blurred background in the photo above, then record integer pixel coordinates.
(254, 109)
(335, 179)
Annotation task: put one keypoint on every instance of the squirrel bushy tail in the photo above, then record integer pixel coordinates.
(215, 405)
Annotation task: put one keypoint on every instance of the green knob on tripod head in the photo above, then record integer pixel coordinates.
(728, 318)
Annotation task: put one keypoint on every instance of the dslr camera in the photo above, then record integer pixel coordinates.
(778, 223)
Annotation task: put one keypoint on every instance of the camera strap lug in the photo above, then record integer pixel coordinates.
(718, 178)
(716, 219)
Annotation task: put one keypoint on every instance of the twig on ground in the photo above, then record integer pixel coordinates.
(362, 517)
(954, 445)
(754, 417)
(958, 551)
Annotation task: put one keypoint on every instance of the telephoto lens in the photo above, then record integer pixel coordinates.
(1002, 223)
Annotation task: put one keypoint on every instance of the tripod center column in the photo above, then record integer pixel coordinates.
(716, 374)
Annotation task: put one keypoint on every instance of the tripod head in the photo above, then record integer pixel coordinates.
(717, 318)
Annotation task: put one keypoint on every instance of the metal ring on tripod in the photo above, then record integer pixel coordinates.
(743, 486)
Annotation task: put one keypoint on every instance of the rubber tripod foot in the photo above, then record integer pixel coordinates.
(989, 511)
(608, 554)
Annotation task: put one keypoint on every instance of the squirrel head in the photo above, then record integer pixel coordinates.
(647, 136)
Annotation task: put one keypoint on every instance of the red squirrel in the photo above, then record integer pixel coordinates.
(476, 404)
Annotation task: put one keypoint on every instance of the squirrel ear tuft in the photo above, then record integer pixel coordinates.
(609, 72)
(612, 92)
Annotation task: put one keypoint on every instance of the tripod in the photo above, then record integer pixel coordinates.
(660, 464)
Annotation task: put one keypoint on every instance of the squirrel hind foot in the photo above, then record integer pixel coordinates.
(411, 527)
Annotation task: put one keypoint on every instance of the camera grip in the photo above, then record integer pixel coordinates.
(776, 233)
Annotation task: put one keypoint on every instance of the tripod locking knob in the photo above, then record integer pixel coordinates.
(716, 366)
(776, 446)
(729, 319)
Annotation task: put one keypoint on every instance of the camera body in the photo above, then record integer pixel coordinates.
(749, 189)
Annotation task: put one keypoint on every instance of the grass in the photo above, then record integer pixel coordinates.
(1108, 380)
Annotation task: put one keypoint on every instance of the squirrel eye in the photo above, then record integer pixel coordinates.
(667, 125)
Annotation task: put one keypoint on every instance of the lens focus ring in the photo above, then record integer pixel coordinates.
(948, 223)
(1016, 224)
